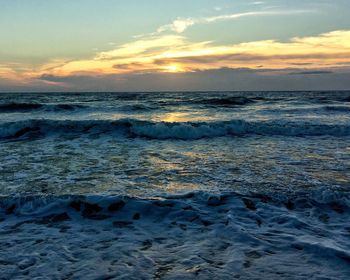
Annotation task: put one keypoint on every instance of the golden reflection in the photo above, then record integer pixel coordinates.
(174, 117)
(171, 175)
(115, 116)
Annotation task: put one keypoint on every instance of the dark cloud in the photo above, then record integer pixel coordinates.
(301, 63)
(214, 80)
(52, 78)
(311, 73)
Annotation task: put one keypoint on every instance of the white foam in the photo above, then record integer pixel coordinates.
(190, 236)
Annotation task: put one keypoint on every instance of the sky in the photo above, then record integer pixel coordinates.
(164, 45)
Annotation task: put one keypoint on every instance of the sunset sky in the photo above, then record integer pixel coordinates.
(146, 45)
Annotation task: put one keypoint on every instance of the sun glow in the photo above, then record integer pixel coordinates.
(173, 68)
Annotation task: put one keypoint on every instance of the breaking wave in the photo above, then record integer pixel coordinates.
(165, 130)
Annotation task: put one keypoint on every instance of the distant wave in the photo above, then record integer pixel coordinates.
(19, 107)
(208, 101)
(309, 110)
(164, 130)
(226, 101)
(138, 107)
(338, 108)
(25, 107)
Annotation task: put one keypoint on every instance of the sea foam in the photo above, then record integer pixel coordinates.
(191, 236)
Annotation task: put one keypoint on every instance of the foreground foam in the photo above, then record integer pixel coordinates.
(196, 235)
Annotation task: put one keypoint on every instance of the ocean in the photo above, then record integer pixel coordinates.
(169, 185)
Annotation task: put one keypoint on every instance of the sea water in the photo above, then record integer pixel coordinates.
(175, 184)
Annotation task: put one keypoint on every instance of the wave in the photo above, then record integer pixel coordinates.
(226, 101)
(62, 107)
(28, 107)
(19, 107)
(308, 110)
(338, 108)
(337, 200)
(165, 130)
(136, 107)
(207, 101)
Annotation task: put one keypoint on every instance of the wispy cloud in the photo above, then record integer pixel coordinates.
(182, 24)
(258, 3)
(179, 25)
(8, 72)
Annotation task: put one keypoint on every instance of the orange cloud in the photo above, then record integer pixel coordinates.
(174, 53)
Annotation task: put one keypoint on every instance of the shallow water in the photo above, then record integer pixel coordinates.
(208, 184)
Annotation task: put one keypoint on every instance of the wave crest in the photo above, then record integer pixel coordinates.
(164, 130)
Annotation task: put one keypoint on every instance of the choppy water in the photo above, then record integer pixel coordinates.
(276, 165)
(155, 143)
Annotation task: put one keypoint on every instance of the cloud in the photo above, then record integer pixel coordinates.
(182, 24)
(216, 79)
(250, 59)
(176, 54)
(179, 25)
(141, 46)
(258, 3)
(311, 73)
(7, 72)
